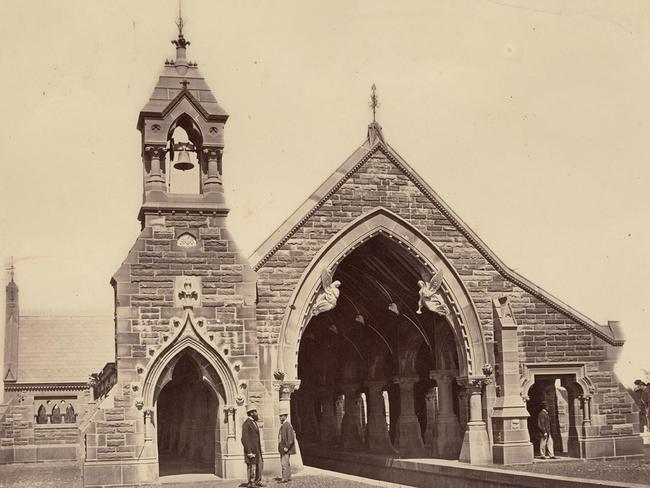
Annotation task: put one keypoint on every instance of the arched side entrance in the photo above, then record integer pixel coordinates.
(187, 386)
(187, 427)
(395, 365)
(566, 390)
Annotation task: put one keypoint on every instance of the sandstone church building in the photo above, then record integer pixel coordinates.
(384, 321)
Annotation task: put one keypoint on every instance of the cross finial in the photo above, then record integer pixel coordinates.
(184, 83)
(374, 103)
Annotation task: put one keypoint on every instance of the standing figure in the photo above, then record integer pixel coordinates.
(546, 441)
(250, 438)
(643, 402)
(286, 443)
(429, 296)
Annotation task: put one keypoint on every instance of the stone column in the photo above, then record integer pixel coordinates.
(378, 436)
(328, 424)
(231, 439)
(351, 423)
(510, 417)
(339, 412)
(476, 444)
(432, 408)
(586, 410)
(212, 182)
(447, 439)
(148, 425)
(155, 179)
(408, 435)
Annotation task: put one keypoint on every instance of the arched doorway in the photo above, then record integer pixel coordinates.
(187, 429)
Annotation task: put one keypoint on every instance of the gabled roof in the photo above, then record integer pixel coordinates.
(374, 143)
(63, 349)
(170, 87)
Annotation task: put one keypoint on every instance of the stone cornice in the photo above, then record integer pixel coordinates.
(76, 386)
(358, 159)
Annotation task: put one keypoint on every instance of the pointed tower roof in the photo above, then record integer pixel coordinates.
(181, 78)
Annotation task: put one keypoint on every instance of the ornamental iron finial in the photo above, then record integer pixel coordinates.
(179, 22)
(11, 268)
(181, 42)
(374, 103)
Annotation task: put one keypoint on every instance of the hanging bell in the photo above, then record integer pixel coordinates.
(183, 162)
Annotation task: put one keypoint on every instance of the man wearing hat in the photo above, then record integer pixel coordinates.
(546, 441)
(286, 442)
(250, 438)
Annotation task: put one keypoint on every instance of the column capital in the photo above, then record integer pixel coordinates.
(155, 150)
(212, 152)
(442, 374)
(398, 380)
(286, 387)
(229, 410)
(474, 384)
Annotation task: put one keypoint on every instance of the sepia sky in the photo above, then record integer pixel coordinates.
(529, 118)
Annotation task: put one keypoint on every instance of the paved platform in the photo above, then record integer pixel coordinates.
(68, 475)
(558, 473)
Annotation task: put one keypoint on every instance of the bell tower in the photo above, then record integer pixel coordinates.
(185, 301)
(182, 102)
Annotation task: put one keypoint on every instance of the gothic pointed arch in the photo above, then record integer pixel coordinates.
(463, 316)
(214, 369)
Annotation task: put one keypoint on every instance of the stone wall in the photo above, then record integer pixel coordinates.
(144, 287)
(23, 440)
(121, 438)
(546, 335)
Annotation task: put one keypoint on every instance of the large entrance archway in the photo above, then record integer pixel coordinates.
(375, 374)
(388, 372)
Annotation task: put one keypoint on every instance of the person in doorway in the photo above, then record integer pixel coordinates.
(546, 441)
(250, 438)
(286, 443)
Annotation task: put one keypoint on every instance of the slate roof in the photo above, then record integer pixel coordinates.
(169, 87)
(63, 349)
(610, 333)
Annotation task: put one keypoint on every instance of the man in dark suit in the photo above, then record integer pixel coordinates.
(286, 442)
(546, 441)
(250, 438)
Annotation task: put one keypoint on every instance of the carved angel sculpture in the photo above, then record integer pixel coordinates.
(326, 299)
(429, 296)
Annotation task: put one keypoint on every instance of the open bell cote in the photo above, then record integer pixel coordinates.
(182, 99)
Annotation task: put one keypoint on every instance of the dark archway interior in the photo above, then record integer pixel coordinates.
(372, 335)
(561, 394)
(187, 422)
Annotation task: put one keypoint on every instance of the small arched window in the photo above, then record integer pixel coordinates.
(55, 418)
(41, 415)
(70, 416)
